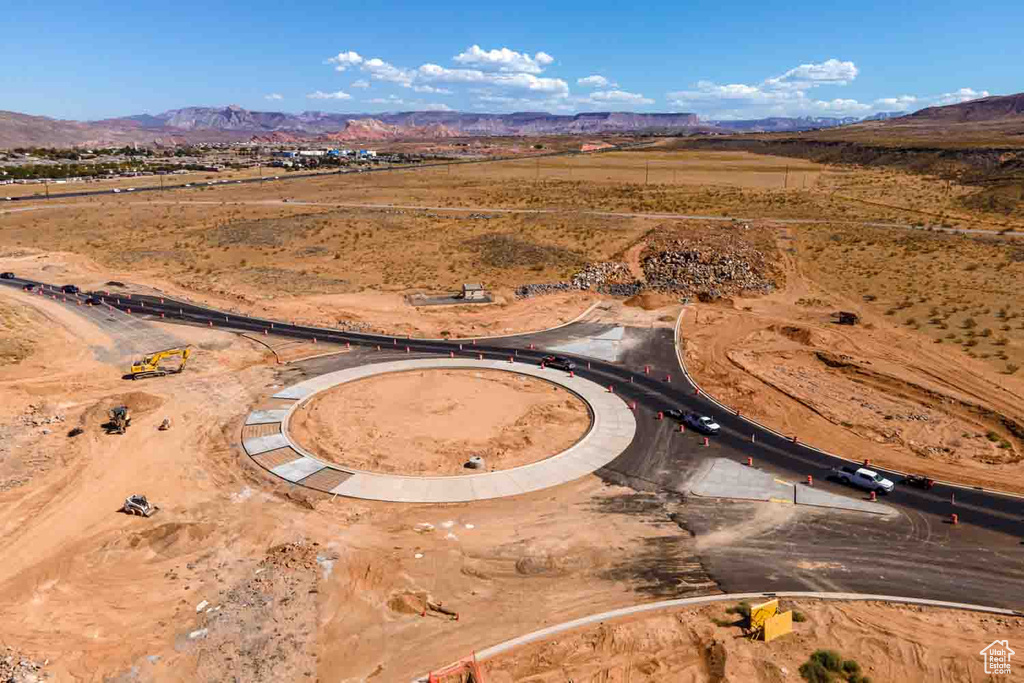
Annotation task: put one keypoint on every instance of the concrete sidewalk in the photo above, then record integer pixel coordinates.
(729, 479)
(612, 430)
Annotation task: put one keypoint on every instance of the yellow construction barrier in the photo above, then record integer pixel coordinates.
(759, 614)
(778, 625)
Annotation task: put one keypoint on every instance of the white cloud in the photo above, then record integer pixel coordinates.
(961, 95)
(901, 103)
(435, 73)
(361, 83)
(344, 60)
(841, 107)
(436, 106)
(595, 81)
(320, 95)
(273, 96)
(784, 95)
(831, 71)
(619, 96)
(504, 60)
(390, 99)
(431, 89)
(382, 71)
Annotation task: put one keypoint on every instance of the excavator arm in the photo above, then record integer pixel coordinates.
(150, 366)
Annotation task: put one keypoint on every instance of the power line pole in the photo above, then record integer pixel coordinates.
(786, 183)
(537, 175)
(647, 172)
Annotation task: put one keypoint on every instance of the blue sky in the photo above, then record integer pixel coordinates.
(89, 60)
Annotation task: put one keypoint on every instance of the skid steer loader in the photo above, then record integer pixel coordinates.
(138, 505)
(120, 420)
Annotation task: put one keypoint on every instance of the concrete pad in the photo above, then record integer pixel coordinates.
(263, 417)
(728, 479)
(606, 346)
(261, 444)
(297, 469)
(808, 495)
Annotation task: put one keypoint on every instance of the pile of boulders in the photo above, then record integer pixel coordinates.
(708, 272)
(17, 668)
(593, 275)
(607, 277)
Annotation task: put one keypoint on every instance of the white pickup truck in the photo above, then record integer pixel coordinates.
(863, 478)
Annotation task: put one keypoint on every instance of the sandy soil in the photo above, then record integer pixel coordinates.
(873, 391)
(431, 422)
(889, 642)
(294, 581)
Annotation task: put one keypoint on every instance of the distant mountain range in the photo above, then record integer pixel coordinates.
(233, 124)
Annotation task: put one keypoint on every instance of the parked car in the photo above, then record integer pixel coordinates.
(117, 190)
(918, 481)
(94, 301)
(674, 413)
(559, 363)
(864, 478)
(30, 287)
(6, 276)
(702, 423)
(70, 289)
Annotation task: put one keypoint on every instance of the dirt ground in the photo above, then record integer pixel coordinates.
(303, 586)
(293, 249)
(432, 422)
(877, 390)
(889, 642)
(293, 581)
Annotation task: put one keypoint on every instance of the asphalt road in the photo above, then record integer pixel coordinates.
(662, 388)
(915, 553)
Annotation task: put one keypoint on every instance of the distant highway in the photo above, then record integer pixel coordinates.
(665, 387)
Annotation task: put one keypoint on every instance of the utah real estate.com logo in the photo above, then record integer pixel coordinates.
(997, 657)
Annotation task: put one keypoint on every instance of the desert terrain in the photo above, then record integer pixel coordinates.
(243, 575)
(404, 423)
(888, 643)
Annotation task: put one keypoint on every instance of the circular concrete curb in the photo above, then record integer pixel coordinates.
(550, 631)
(269, 444)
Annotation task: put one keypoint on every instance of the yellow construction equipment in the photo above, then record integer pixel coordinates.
(150, 366)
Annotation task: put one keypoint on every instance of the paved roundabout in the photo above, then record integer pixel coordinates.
(266, 439)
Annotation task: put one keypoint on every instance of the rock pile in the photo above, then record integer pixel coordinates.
(16, 668)
(705, 272)
(607, 277)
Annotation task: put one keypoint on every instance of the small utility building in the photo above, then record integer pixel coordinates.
(473, 291)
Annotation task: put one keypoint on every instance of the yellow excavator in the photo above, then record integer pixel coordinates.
(150, 366)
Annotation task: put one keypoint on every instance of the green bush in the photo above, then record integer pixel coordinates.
(742, 609)
(829, 659)
(827, 666)
(813, 672)
(799, 617)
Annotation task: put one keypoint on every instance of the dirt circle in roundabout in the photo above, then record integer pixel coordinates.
(430, 422)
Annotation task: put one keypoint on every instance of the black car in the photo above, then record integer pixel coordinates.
(6, 276)
(94, 301)
(673, 413)
(30, 287)
(69, 289)
(559, 362)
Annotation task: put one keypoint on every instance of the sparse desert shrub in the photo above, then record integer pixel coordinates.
(1011, 368)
